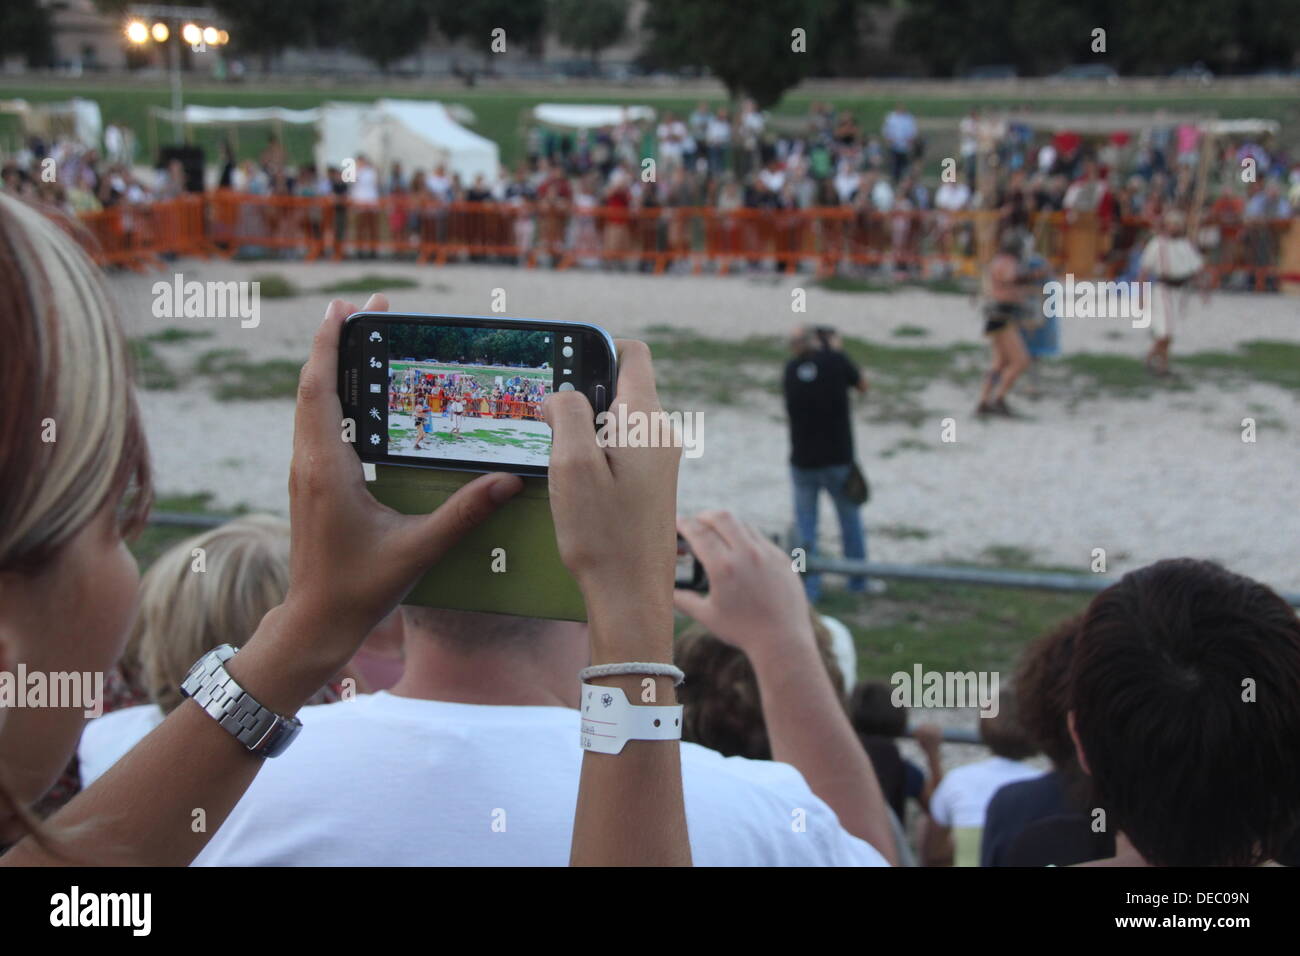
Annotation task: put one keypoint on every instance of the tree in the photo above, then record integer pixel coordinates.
(1142, 36)
(588, 26)
(385, 31)
(476, 21)
(25, 28)
(750, 49)
(265, 29)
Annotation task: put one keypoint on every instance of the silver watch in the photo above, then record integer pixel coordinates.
(262, 731)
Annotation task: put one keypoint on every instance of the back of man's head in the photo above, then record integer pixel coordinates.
(1184, 697)
(468, 632)
(1004, 733)
(802, 340)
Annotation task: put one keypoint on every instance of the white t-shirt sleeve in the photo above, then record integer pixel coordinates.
(941, 802)
(107, 739)
(771, 806)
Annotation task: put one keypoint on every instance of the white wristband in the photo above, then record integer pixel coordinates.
(609, 721)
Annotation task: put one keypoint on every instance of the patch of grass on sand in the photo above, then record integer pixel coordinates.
(853, 284)
(943, 626)
(692, 368)
(1122, 376)
(369, 283)
(235, 378)
(151, 371)
(275, 286)
(1126, 376)
(901, 532)
(907, 444)
(899, 374)
(1008, 556)
(172, 335)
(157, 538)
(1260, 360)
(909, 332)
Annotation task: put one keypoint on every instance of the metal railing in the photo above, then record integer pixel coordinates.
(932, 573)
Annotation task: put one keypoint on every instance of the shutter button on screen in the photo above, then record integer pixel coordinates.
(566, 387)
(567, 351)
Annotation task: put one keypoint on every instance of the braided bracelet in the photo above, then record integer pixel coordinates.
(633, 667)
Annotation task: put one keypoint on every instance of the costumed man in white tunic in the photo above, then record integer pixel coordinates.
(1169, 262)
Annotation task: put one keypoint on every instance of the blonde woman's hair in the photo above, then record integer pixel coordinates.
(185, 612)
(71, 442)
(69, 424)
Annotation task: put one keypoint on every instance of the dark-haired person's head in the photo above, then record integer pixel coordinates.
(1004, 733)
(1185, 709)
(872, 711)
(1043, 691)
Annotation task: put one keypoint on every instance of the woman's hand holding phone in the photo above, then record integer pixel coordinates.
(352, 559)
(614, 510)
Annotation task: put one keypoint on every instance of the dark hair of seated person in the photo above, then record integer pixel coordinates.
(1003, 733)
(1184, 693)
(877, 722)
(722, 708)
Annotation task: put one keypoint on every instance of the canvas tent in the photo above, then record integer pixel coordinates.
(419, 134)
(77, 118)
(588, 116)
(234, 115)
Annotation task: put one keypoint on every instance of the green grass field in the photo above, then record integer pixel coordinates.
(501, 115)
(945, 627)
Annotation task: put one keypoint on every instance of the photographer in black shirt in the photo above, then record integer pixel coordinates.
(817, 383)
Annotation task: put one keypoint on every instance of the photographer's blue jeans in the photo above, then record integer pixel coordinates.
(808, 483)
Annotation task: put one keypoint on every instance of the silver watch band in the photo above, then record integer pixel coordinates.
(262, 731)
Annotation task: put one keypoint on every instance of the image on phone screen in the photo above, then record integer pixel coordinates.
(465, 392)
(470, 394)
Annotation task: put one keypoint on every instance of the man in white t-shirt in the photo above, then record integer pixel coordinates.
(472, 759)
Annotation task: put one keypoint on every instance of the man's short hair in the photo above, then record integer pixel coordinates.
(1184, 691)
(872, 711)
(1003, 733)
(471, 630)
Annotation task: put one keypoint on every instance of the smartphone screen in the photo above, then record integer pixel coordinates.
(465, 393)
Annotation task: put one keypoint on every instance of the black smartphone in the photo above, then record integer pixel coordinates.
(690, 573)
(465, 392)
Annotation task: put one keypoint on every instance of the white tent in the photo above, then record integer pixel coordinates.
(589, 116)
(76, 117)
(417, 133)
(234, 115)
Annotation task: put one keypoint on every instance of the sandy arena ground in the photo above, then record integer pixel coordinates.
(1143, 478)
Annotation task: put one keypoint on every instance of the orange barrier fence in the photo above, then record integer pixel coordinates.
(482, 407)
(694, 239)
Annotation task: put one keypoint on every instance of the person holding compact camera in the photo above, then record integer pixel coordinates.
(817, 383)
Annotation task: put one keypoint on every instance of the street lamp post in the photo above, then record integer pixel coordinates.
(165, 20)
